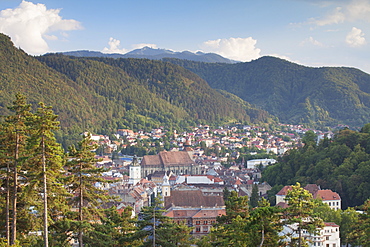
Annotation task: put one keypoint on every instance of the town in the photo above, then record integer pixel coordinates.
(191, 171)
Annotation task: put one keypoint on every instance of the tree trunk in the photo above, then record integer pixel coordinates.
(15, 192)
(263, 235)
(7, 217)
(80, 240)
(46, 231)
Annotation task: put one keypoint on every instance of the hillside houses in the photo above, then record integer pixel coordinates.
(332, 199)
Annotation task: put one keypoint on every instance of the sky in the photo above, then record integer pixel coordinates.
(308, 32)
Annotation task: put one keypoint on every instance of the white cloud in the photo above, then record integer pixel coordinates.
(114, 47)
(355, 10)
(28, 26)
(359, 10)
(312, 41)
(240, 49)
(355, 37)
(336, 17)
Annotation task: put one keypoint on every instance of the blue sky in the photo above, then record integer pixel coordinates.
(309, 32)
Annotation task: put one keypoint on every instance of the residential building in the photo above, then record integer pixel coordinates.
(201, 218)
(332, 199)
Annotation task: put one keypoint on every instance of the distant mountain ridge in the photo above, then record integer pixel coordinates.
(156, 54)
(294, 93)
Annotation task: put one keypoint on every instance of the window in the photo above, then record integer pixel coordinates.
(205, 222)
(197, 222)
(197, 229)
(205, 228)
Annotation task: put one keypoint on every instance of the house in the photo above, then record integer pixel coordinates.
(328, 236)
(280, 196)
(201, 218)
(192, 198)
(332, 199)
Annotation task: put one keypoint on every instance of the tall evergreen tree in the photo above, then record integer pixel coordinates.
(17, 130)
(254, 196)
(83, 178)
(155, 229)
(45, 162)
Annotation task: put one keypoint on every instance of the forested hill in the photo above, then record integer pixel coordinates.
(341, 164)
(295, 93)
(105, 94)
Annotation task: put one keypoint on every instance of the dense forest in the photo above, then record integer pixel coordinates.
(295, 94)
(341, 164)
(101, 95)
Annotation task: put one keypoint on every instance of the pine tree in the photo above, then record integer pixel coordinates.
(16, 130)
(83, 176)
(254, 196)
(155, 229)
(265, 225)
(45, 163)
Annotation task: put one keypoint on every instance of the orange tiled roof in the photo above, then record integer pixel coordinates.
(326, 195)
(284, 190)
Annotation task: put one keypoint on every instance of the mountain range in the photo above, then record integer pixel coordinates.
(103, 94)
(294, 93)
(156, 54)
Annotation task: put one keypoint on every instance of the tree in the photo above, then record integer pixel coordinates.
(265, 225)
(17, 129)
(300, 212)
(82, 180)
(45, 161)
(230, 229)
(155, 229)
(364, 224)
(254, 196)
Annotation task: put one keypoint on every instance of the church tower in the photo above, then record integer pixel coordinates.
(166, 188)
(135, 172)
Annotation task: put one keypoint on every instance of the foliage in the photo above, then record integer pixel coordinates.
(254, 196)
(300, 213)
(295, 94)
(82, 181)
(241, 227)
(155, 229)
(340, 164)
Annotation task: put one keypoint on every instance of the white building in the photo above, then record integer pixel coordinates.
(328, 236)
(329, 197)
(135, 172)
(252, 164)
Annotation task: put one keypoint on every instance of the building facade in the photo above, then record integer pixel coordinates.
(178, 162)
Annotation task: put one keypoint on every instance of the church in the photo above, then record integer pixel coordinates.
(178, 162)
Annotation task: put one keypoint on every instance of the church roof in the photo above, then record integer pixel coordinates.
(167, 159)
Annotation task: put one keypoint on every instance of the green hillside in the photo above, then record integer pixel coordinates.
(295, 93)
(101, 95)
(341, 164)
